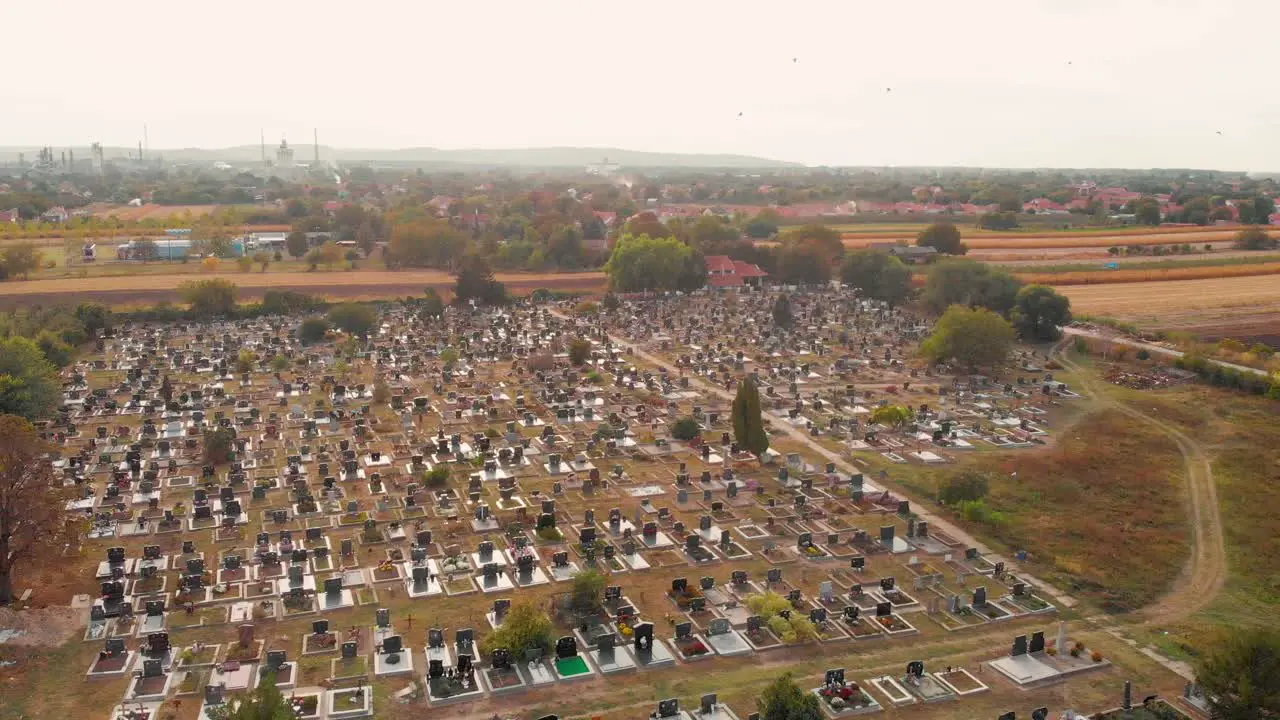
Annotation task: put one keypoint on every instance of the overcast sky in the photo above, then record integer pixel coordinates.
(1010, 83)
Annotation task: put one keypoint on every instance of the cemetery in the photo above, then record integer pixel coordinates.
(323, 513)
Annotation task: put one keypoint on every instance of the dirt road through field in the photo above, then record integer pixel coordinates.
(1206, 571)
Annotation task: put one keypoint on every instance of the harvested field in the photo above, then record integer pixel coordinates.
(129, 213)
(361, 284)
(1103, 277)
(1174, 296)
(1015, 241)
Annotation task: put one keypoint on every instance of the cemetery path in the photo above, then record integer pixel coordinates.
(1206, 571)
(845, 466)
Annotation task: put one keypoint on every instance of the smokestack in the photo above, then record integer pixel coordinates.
(315, 141)
(262, 138)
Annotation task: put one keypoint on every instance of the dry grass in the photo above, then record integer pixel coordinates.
(1058, 240)
(1096, 521)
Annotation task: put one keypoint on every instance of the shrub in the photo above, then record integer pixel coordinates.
(437, 477)
(968, 486)
(1097, 656)
(579, 351)
(686, 428)
(313, 330)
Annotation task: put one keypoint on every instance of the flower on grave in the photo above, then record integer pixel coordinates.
(837, 703)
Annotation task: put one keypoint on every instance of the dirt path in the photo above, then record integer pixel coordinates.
(1206, 570)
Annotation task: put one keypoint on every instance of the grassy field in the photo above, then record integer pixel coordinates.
(1245, 442)
(1096, 522)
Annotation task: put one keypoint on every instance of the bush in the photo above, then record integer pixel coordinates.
(1097, 656)
(218, 445)
(579, 351)
(313, 330)
(686, 428)
(437, 477)
(968, 486)
(525, 627)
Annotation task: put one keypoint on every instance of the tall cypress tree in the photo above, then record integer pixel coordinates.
(748, 424)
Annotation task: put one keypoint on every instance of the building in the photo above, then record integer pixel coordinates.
(55, 214)
(171, 248)
(284, 155)
(723, 271)
(909, 254)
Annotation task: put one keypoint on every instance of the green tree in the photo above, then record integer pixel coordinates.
(449, 356)
(296, 243)
(641, 263)
(610, 302)
(828, 242)
(246, 361)
(1257, 211)
(1147, 211)
(878, 275)
(1039, 313)
(262, 259)
(972, 337)
(1240, 674)
(943, 237)
(761, 229)
(433, 307)
(211, 297)
(588, 589)
(579, 351)
(804, 264)
(354, 318)
(55, 350)
(266, 702)
(95, 317)
(166, 388)
(998, 220)
(219, 444)
(21, 258)
(748, 422)
(565, 247)
(313, 330)
(1254, 238)
(783, 699)
(782, 316)
(965, 282)
(28, 381)
(967, 486)
(895, 416)
(427, 243)
(525, 627)
(33, 519)
(475, 282)
(686, 428)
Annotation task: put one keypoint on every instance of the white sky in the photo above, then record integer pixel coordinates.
(1150, 82)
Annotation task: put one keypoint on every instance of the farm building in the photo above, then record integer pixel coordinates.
(169, 249)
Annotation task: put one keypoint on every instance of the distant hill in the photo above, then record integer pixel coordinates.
(551, 157)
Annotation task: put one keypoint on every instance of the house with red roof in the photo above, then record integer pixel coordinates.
(723, 271)
(9, 216)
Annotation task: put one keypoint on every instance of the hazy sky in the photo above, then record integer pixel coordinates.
(1068, 83)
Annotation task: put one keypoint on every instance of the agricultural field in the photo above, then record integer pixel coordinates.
(1184, 271)
(141, 289)
(1246, 307)
(129, 213)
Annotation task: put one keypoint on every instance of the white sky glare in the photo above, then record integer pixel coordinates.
(996, 83)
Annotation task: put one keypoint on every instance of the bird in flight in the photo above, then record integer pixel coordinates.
(793, 59)
(888, 89)
(739, 114)
(1219, 132)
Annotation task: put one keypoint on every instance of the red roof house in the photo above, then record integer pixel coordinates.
(723, 271)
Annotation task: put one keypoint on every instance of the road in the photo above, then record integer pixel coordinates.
(1206, 571)
(1155, 349)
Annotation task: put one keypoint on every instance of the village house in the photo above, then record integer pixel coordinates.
(723, 271)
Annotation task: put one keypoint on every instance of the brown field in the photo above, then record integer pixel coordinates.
(357, 285)
(148, 212)
(1063, 240)
(1104, 277)
(1241, 307)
